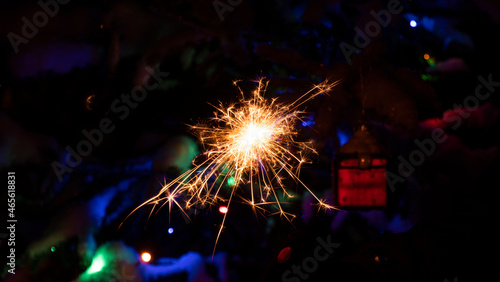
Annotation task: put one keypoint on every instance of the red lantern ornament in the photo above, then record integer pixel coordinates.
(359, 173)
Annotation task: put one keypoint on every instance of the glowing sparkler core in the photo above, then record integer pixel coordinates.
(254, 136)
(251, 142)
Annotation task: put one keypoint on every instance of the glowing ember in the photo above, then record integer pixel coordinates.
(223, 209)
(249, 145)
(146, 257)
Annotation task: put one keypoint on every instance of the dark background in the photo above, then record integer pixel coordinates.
(438, 225)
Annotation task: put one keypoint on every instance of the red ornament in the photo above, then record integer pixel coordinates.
(359, 172)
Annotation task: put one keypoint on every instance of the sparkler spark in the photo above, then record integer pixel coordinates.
(252, 144)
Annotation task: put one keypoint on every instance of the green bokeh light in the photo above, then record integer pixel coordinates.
(53, 249)
(429, 77)
(97, 264)
(107, 258)
(231, 181)
(431, 62)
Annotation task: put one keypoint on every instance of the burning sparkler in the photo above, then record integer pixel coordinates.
(252, 144)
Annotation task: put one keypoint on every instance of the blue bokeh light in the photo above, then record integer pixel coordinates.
(343, 136)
